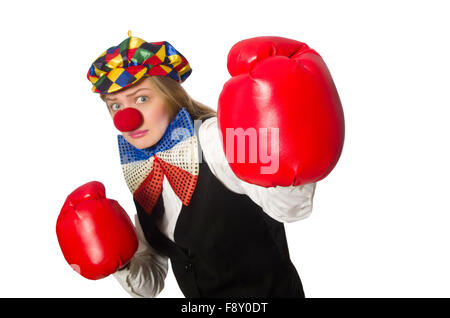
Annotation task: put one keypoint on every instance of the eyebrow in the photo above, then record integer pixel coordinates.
(134, 93)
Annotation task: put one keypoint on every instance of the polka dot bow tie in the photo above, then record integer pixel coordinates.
(175, 156)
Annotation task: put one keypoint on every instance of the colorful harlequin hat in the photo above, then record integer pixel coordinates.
(123, 65)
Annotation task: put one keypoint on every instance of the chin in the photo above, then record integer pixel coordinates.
(141, 144)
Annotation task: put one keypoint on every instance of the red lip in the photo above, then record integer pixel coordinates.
(137, 133)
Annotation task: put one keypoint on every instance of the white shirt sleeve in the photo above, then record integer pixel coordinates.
(147, 269)
(284, 204)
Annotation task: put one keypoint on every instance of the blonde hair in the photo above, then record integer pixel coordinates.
(177, 97)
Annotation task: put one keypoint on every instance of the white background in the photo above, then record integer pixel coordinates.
(381, 219)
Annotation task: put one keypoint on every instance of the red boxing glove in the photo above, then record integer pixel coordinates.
(282, 96)
(95, 234)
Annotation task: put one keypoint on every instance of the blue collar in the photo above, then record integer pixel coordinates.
(179, 129)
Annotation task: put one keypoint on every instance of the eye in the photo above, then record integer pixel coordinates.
(142, 99)
(115, 106)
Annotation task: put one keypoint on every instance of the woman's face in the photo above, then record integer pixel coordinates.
(144, 97)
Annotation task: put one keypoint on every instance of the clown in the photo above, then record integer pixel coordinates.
(219, 221)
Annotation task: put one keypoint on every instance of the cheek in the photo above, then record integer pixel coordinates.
(157, 116)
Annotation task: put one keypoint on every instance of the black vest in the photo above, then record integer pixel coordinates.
(226, 245)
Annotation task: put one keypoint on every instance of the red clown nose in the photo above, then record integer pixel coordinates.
(128, 119)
